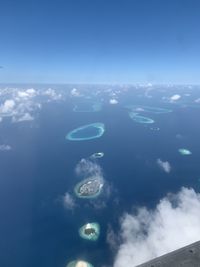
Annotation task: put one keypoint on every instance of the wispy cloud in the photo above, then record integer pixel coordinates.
(164, 165)
(197, 100)
(5, 147)
(69, 201)
(52, 94)
(150, 233)
(88, 168)
(25, 117)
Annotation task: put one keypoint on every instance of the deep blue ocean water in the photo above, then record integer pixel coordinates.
(36, 229)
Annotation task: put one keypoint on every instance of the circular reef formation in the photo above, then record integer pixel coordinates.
(90, 231)
(142, 108)
(79, 263)
(97, 155)
(87, 132)
(89, 188)
(141, 119)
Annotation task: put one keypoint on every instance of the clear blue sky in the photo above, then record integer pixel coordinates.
(101, 41)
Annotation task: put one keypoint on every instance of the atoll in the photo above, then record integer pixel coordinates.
(148, 109)
(79, 263)
(97, 155)
(86, 132)
(184, 151)
(90, 231)
(140, 119)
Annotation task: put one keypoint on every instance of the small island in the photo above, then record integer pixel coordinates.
(184, 151)
(89, 188)
(79, 263)
(97, 155)
(90, 231)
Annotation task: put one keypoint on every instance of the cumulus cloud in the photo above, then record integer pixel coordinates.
(113, 101)
(164, 165)
(52, 94)
(18, 108)
(69, 201)
(151, 233)
(75, 92)
(175, 97)
(20, 104)
(7, 107)
(29, 93)
(5, 147)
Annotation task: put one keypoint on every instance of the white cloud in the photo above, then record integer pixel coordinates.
(175, 97)
(151, 233)
(75, 92)
(197, 100)
(52, 94)
(21, 104)
(69, 201)
(27, 93)
(31, 91)
(25, 117)
(111, 238)
(113, 101)
(88, 168)
(5, 147)
(22, 94)
(7, 107)
(164, 165)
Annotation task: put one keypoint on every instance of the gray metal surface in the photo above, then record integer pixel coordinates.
(188, 256)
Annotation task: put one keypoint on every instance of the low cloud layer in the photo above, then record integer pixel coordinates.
(151, 233)
(164, 165)
(24, 104)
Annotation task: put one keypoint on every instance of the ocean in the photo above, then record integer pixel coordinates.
(36, 228)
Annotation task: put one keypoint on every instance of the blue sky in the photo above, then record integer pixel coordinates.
(100, 41)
